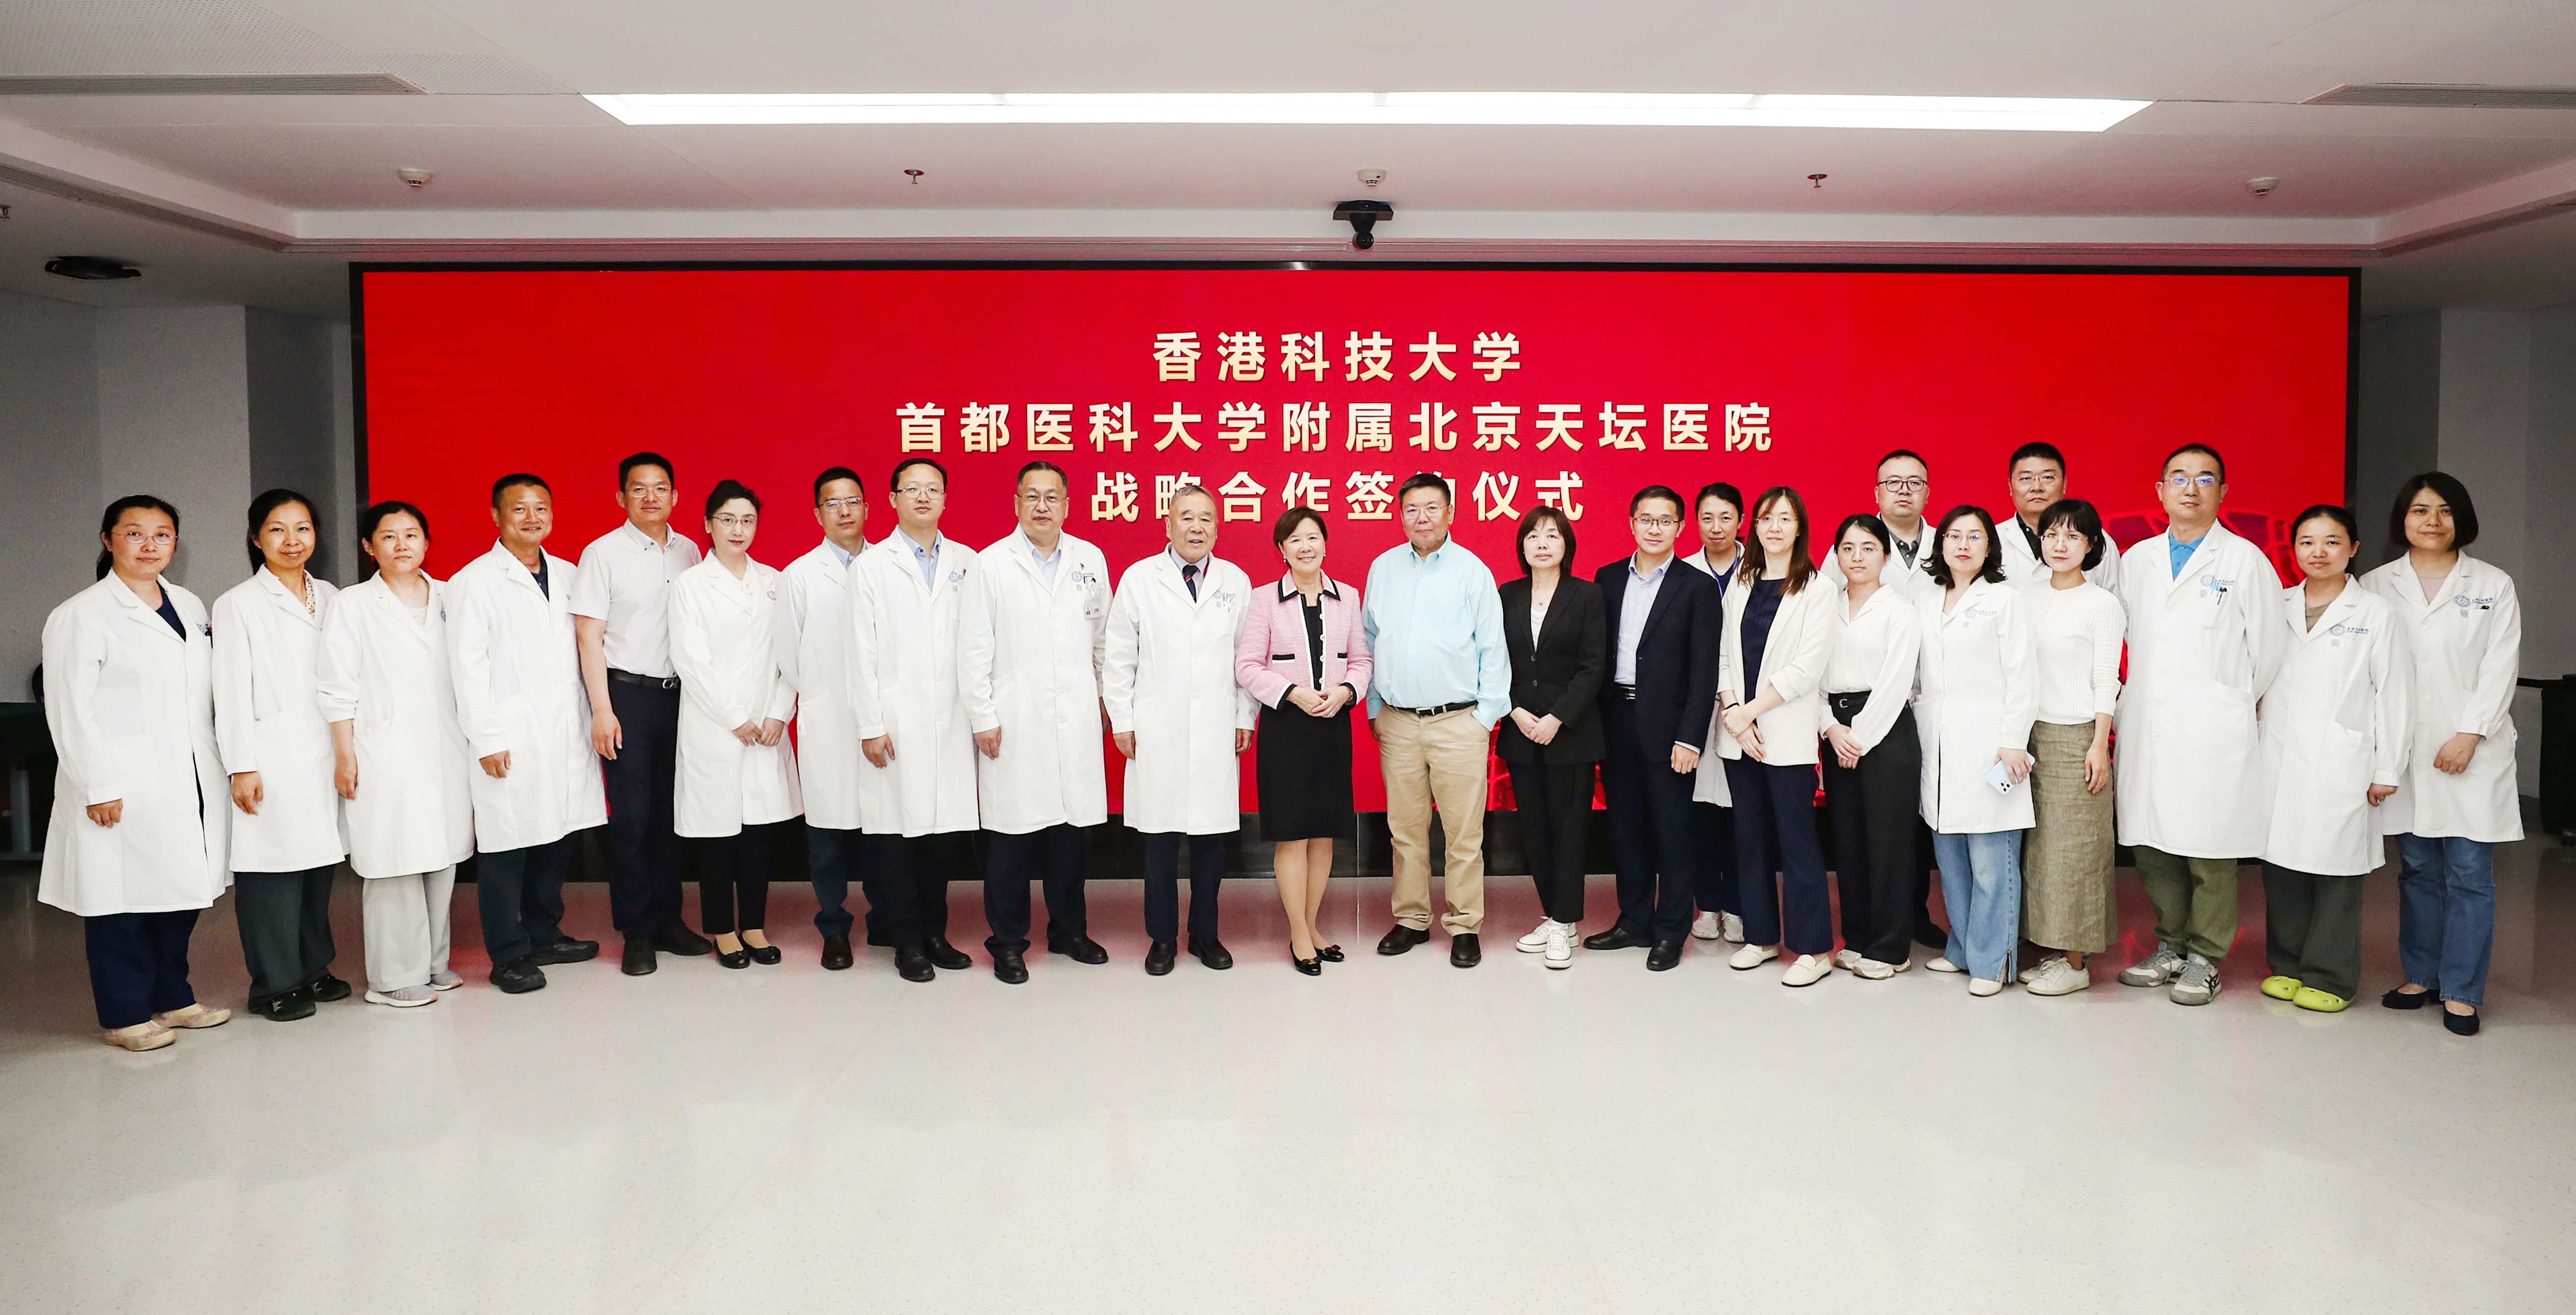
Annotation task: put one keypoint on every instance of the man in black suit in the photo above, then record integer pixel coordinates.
(1663, 623)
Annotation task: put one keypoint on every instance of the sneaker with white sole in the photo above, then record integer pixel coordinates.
(2197, 983)
(1943, 965)
(1536, 941)
(1731, 927)
(1704, 927)
(1560, 945)
(1847, 960)
(1869, 969)
(443, 980)
(1807, 971)
(409, 997)
(2154, 970)
(2055, 976)
(1752, 956)
(1979, 986)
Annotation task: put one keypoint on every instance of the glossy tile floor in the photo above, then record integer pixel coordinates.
(1397, 1135)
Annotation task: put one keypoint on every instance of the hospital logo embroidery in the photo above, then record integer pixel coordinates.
(2214, 587)
(957, 576)
(2466, 604)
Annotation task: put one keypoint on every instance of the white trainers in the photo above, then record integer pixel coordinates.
(443, 980)
(1872, 970)
(2055, 976)
(2154, 970)
(1980, 986)
(1752, 956)
(409, 997)
(1560, 945)
(1943, 965)
(1731, 926)
(1847, 960)
(1807, 971)
(1536, 941)
(1704, 927)
(2197, 983)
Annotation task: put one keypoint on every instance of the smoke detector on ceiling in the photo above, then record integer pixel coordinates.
(2263, 186)
(415, 179)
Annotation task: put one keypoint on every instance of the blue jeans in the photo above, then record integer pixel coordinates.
(2446, 914)
(1981, 884)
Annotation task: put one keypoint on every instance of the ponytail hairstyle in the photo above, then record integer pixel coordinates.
(116, 512)
(266, 505)
(372, 520)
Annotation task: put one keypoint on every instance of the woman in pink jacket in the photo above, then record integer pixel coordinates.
(1305, 660)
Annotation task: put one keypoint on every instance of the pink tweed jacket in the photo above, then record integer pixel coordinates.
(1270, 654)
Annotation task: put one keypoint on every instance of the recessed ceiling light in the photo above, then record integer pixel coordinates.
(1531, 108)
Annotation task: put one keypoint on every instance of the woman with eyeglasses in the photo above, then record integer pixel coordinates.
(2068, 907)
(1974, 710)
(287, 840)
(139, 840)
(2463, 619)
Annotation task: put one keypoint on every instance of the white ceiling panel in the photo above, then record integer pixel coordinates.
(2144, 173)
(332, 168)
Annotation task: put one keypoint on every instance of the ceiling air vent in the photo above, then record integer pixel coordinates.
(212, 84)
(2449, 96)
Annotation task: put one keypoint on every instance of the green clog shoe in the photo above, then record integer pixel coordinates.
(2308, 997)
(2281, 988)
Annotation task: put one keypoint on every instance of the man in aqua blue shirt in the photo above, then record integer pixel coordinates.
(1442, 680)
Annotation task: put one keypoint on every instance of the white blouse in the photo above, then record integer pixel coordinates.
(2079, 632)
(1875, 652)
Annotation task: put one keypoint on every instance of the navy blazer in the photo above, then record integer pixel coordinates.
(1676, 654)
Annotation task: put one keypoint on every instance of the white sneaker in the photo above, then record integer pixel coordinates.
(1980, 986)
(1731, 926)
(409, 997)
(1872, 970)
(1560, 945)
(2055, 976)
(1847, 960)
(2197, 983)
(1752, 956)
(443, 980)
(1943, 965)
(1704, 927)
(2155, 970)
(1807, 971)
(1536, 941)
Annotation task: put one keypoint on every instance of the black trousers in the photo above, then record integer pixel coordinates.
(836, 859)
(1926, 930)
(916, 885)
(1163, 883)
(734, 873)
(1780, 861)
(645, 858)
(1713, 828)
(1873, 809)
(138, 964)
(1060, 855)
(285, 922)
(520, 895)
(2313, 928)
(1555, 805)
(1652, 837)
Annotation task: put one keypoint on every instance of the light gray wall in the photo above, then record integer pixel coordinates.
(49, 500)
(2399, 420)
(294, 435)
(2548, 578)
(174, 420)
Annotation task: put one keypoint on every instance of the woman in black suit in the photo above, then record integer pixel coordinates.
(1552, 741)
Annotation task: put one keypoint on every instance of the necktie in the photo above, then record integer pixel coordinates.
(1190, 577)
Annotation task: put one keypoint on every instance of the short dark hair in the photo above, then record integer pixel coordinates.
(1535, 517)
(2202, 448)
(1802, 558)
(627, 467)
(511, 481)
(726, 490)
(1908, 454)
(1036, 466)
(2043, 451)
(1295, 516)
(116, 512)
(908, 463)
(373, 519)
(2464, 513)
(1863, 520)
(1662, 491)
(1938, 567)
(2080, 516)
(1426, 480)
(838, 472)
(2342, 518)
(265, 506)
(1723, 492)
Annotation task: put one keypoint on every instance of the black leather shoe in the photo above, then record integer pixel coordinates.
(1329, 953)
(566, 950)
(1011, 966)
(684, 942)
(1665, 956)
(1211, 952)
(1619, 937)
(1310, 967)
(836, 952)
(737, 959)
(2409, 999)
(638, 959)
(1466, 950)
(765, 955)
(519, 976)
(1400, 938)
(329, 988)
(949, 956)
(914, 965)
(1080, 949)
(883, 940)
(2460, 1024)
(285, 1006)
(1159, 957)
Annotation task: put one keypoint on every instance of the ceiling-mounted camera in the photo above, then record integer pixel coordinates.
(1362, 216)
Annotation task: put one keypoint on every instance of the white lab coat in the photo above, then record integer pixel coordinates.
(2335, 723)
(1169, 677)
(389, 677)
(2466, 646)
(1976, 690)
(2204, 645)
(724, 647)
(1793, 662)
(518, 689)
(903, 684)
(2022, 566)
(1029, 657)
(266, 721)
(842, 793)
(132, 709)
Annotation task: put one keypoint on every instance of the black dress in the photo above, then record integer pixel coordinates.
(1303, 768)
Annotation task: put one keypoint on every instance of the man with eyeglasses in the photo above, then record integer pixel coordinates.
(622, 623)
(1664, 628)
(1904, 489)
(907, 599)
(2205, 640)
(1031, 633)
(1434, 621)
(814, 655)
(2035, 479)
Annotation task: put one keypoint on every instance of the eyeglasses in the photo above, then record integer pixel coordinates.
(2033, 479)
(842, 504)
(922, 490)
(1905, 485)
(2186, 481)
(157, 538)
(1658, 523)
(732, 521)
(1043, 498)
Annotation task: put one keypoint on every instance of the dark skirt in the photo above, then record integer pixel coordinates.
(1303, 771)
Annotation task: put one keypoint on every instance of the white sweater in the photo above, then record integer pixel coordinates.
(2079, 632)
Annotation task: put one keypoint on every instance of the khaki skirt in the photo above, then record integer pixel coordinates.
(2070, 856)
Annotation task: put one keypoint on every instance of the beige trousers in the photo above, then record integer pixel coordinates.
(1428, 760)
